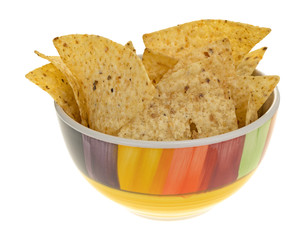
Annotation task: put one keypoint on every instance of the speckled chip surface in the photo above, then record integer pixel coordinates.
(250, 61)
(175, 41)
(112, 77)
(215, 56)
(199, 106)
(54, 82)
(241, 88)
(152, 124)
(157, 64)
(189, 104)
(73, 83)
(194, 80)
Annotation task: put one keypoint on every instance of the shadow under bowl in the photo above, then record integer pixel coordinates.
(169, 179)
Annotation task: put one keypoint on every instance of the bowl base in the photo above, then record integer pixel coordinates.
(173, 207)
(159, 217)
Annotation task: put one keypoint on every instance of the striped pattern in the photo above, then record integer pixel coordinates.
(253, 147)
(101, 161)
(174, 171)
(137, 168)
(227, 163)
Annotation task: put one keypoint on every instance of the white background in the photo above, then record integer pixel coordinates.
(42, 194)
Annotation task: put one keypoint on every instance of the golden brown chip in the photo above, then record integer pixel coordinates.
(151, 125)
(114, 81)
(50, 79)
(176, 41)
(216, 57)
(198, 105)
(250, 61)
(157, 64)
(260, 86)
(130, 46)
(251, 112)
(77, 89)
(189, 104)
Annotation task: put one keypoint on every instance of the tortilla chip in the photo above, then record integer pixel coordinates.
(176, 41)
(198, 105)
(50, 79)
(151, 125)
(130, 46)
(77, 89)
(189, 104)
(260, 86)
(251, 112)
(115, 83)
(216, 57)
(250, 61)
(157, 64)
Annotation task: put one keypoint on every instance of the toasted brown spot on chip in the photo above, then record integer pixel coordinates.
(206, 54)
(94, 85)
(186, 88)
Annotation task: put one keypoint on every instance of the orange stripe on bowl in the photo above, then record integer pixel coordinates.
(194, 173)
(177, 173)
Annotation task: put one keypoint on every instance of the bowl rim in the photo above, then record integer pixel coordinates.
(171, 144)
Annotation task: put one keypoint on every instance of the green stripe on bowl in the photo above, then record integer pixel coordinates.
(253, 147)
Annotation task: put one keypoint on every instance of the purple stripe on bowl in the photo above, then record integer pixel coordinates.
(101, 161)
(229, 155)
(209, 167)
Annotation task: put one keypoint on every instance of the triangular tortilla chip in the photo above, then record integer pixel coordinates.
(175, 41)
(260, 86)
(194, 105)
(216, 57)
(130, 46)
(199, 107)
(151, 125)
(189, 104)
(251, 112)
(157, 64)
(250, 61)
(54, 82)
(77, 89)
(114, 81)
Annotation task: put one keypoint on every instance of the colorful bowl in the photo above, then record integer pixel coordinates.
(169, 180)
